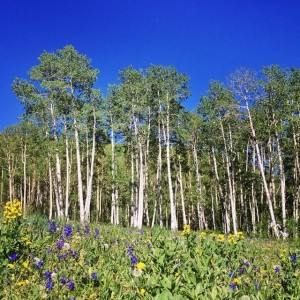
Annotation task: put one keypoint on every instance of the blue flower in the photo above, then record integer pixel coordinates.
(48, 274)
(49, 284)
(68, 231)
(60, 243)
(246, 264)
(130, 250)
(39, 264)
(71, 285)
(293, 257)
(87, 230)
(13, 257)
(52, 227)
(241, 270)
(277, 269)
(256, 285)
(94, 276)
(233, 286)
(63, 280)
(231, 274)
(97, 232)
(134, 260)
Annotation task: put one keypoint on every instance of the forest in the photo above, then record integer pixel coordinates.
(137, 157)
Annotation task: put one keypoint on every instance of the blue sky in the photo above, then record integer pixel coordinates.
(204, 39)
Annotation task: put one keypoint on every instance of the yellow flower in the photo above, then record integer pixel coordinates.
(19, 283)
(202, 235)
(11, 266)
(25, 265)
(236, 281)
(176, 274)
(140, 266)
(186, 230)
(142, 292)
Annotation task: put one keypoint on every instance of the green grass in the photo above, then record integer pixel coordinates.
(99, 266)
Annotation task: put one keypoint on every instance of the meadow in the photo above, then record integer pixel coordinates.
(42, 259)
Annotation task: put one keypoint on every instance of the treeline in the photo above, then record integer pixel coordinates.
(137, 157)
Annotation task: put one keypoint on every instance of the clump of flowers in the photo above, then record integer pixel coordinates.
(186, 230)
(12, 210)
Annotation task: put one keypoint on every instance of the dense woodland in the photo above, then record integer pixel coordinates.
(138, 158)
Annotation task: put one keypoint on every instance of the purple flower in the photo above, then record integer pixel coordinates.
(52, 227)
(256, 285)
(49, 284)
(233, 286)
(87, 230)
(62, 256)
(71, 285)
(48, 274)
(68, 231)
(60, 243)
(134, 260)
(231, 274)
(241, 270)
(48, 251)
(130, 250)
(246, 264)
(94, 276)
(97, 232)
(293, 257)
(149, 246)
(277, 269)
(63, 280)
(13, 257)
(75, 254)
(39, 264)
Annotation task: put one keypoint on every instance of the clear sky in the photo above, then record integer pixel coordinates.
(206, 39)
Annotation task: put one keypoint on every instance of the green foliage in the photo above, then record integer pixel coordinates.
(101, 262)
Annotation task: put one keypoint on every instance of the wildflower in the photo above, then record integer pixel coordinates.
(63, 280)
(277, 269)
(130, 250)
(39, 264)
(142, 292)
(220, 238)
(60, 244)
(241, 270)
(202, 235)
(94, 276)
(293, 257)
(186, 230)
(66, 246)
(176, 274)
(246, 263)
(48, 274)
(233, 286)
(256, 285)
(20, 283)
(136, 272)
(71, 285)
(134, 260)
(25, 265)
(52, 227)
(140, 266)
(13, 257)
(97, 232)
(11, 266)
(231, 274)
(49, 284)
(12, 210)
(236, 281)
(87, 230)
(68, 231)
(240, 235)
